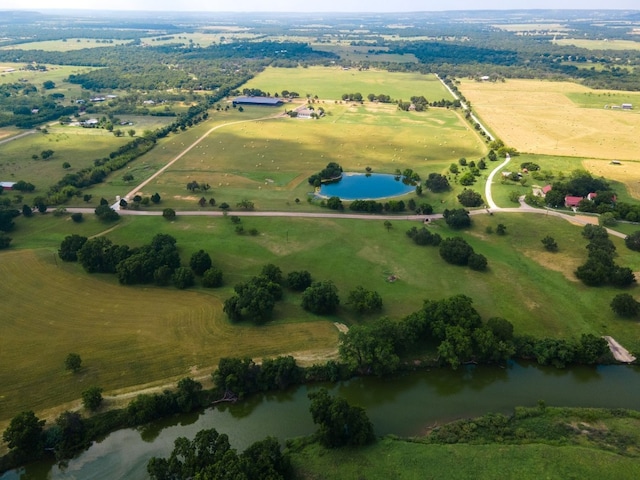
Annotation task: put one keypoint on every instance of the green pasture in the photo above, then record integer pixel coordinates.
(55, 73)
(613, 44)
(65, 45)
(269, 161)
(76, 145)
(129, 336)
(330, 83)
(358, 54)
(166, 150)
(599, 100)
(411, 460)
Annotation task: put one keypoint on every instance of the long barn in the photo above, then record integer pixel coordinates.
(267, 101)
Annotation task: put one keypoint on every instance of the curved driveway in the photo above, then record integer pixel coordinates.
(492, 207)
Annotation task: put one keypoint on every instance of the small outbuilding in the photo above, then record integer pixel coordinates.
(7, 185)
(627, 106)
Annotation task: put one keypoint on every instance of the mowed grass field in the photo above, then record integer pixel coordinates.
(133, 336)
(330, 83)
(269, 161)
(548, 118)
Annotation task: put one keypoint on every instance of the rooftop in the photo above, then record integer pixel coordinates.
(258, 100)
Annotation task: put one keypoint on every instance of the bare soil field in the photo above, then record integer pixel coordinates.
(538, 117)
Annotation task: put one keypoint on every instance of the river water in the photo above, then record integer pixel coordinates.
(403, 406)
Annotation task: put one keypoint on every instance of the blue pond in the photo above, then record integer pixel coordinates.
(360, 186)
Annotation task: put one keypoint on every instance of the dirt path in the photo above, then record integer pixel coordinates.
(189, 148)
(16, 137)
(620, 353)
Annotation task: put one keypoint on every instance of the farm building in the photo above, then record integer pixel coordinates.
(627, 106)
(305, 113)
(7, 185)
(570, 201)
(267, 101)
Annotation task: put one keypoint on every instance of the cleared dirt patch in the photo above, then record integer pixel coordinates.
(620, 353)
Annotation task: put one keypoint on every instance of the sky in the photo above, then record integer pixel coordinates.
(317, 5)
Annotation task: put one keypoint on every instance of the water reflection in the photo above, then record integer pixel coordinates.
(404, 406)
(585, 374)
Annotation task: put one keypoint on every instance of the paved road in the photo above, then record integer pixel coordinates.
(487, 187)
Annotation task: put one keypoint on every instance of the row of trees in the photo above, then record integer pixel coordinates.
(157, 262)
(255, 299)
(460, 336)
(600, 267)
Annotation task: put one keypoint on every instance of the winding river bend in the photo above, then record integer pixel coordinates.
(403, 406)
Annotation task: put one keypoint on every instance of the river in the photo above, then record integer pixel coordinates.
(403, 406)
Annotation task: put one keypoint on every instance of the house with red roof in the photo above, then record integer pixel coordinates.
(571, 202)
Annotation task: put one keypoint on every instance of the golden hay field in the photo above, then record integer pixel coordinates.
(538, 117)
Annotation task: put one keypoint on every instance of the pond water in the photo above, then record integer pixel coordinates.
(362, 186)
(404, 406)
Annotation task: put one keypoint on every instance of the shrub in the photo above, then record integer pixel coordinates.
(169, 213)
(299, 280)
(625, 305)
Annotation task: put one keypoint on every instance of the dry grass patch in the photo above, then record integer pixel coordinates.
(627, 173)
(538, 117)
(556, 262)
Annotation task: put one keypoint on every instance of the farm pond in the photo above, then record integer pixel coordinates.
(366, 186)
(404, 406)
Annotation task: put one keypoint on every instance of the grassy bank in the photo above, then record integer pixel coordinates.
(594, 444)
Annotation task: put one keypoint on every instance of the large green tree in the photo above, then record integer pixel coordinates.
(69, 247)
(340, 424)
(24, 433)
(364, 301)
(200, 262)
(321, 298)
